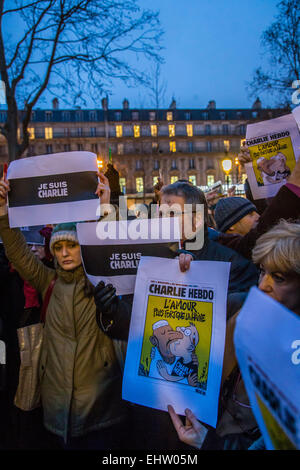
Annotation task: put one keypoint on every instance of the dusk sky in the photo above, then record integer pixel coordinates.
(211, 50)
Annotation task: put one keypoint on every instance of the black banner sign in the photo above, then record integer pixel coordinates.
(112, 260)
(53, 189)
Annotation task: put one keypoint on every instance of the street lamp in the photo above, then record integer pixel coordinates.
(100, 164)
(227, 166)
(237, 169)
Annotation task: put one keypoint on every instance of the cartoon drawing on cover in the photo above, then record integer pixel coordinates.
(274, 170)
(185, 368)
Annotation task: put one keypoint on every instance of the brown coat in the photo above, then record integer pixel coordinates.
(80, 367)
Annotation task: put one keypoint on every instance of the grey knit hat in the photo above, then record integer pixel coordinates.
(61, 232)
(230, 210)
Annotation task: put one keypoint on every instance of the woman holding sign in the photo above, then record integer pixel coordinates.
(277, 252)
(79, 370)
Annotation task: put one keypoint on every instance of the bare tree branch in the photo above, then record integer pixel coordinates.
(62, 42)
(281, 42)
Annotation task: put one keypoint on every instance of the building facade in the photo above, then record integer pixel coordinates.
(147, 143)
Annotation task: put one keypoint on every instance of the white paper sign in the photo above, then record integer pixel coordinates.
(176, 338)
(296, 114)
(111, 250)
(51, 189)
(274, 147)
(267, 346)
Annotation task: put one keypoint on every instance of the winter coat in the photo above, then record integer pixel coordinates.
(80, 367)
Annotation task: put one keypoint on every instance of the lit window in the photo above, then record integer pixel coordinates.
(154, 146)
(169, 116)
(153, 130)
(226, 145)
(173, 146)
(243, 141)
(174, 179)
(122, 182)
(48, 133)
(139, 184)
(119, 131)
(155, 180)
(171, 130)
(210, 180)
(31, 132)
(120, 149)
(189, 130)
(192, 179)
(136, 131)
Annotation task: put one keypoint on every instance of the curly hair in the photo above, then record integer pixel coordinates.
(279, 248)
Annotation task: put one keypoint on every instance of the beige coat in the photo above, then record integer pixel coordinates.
(80, 367)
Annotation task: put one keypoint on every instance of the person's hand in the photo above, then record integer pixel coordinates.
(105, 299)
(244, 155)
(103, 189)
(231, 191)
(193, 432)
(185, 262)
(294, 178)
(4, 188)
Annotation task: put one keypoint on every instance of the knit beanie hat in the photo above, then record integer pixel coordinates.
(63, 232)
(230, 210)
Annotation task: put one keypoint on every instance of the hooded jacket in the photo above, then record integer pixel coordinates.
(80, 367)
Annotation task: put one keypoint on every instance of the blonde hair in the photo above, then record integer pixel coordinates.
(279, 248)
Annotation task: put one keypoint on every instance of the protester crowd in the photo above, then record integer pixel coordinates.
(86, 328)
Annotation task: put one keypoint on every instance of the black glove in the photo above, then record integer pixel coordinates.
(106, 304)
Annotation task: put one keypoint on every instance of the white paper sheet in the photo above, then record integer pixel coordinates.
(274, 147)
(111, 251)
(267, 346)
(176, 339)
(51, 189)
